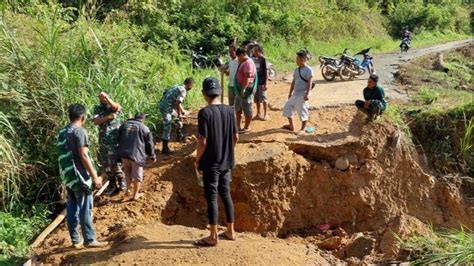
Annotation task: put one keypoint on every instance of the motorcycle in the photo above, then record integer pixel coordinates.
(199, 60)
(271, 71)
(405, 45)
(352, 66)
(329, 67)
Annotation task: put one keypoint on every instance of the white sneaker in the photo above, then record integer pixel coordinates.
(96, 244)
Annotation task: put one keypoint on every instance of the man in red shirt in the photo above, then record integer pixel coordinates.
(244, 89)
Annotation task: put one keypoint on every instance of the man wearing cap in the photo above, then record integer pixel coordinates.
(217, 136)
(244, 89)
(171, 108)
(374, 103)
(135, 144)
(107, 115)
(300, 90)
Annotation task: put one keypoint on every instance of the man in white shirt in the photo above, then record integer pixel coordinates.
(231, 71)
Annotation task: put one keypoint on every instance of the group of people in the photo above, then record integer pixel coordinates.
(123, 150)
(247, 84)
(125, 147)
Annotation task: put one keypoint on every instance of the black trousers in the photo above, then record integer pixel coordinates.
(218, 182)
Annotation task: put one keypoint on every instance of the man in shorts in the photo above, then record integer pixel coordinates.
(135, 144)
(244, 90)
(300, 91)
(262, 73)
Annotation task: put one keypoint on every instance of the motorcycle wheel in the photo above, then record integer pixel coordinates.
(344, 73)
(371, 69)
(328, 74)
(271, 73)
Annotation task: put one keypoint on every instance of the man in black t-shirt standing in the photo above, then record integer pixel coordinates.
(260, 97)
(217, 137)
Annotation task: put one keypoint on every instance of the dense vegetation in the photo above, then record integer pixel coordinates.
(441, 114)
(54, 53)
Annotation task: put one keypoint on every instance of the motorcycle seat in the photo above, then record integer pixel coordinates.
(350, 58)
(328, 58)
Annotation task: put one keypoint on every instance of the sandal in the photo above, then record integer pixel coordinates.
(287, 127)
(244, 131)
(203, 243)
(223, 235)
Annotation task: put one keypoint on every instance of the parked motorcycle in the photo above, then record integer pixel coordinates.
(329, 67)
(352, 66)
(199, 60)
(405, 45)
(271, 71)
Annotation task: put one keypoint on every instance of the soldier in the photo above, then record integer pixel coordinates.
(172, 111)
(107, 115)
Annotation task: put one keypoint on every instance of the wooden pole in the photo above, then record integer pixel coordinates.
(59, 219)
(222, 85)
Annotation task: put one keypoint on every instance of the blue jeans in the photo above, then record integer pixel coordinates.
(79, 210)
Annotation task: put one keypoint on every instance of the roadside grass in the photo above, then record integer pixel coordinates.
(452, 247)
(436, 99)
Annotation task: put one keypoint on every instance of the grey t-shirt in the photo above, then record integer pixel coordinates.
(300, 84)
(77, 137)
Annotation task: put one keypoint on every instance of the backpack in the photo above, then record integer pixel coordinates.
(313, 84)
(69, 175)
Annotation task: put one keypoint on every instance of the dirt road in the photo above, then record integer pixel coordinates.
(283, 183)
(346, 92)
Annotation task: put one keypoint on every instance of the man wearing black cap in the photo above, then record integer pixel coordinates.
(135, 143)
(374, 103)
(217, 136)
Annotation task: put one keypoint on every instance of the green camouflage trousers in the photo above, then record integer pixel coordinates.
(170, 118)
(108, 159)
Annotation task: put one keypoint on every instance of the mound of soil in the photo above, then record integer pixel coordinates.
(287, 186)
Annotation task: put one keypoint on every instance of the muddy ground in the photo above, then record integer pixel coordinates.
(363, 181)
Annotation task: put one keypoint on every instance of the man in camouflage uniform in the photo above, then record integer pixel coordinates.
(107, 116)
(172, 111)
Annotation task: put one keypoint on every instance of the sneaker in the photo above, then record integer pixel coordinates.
(78, 245)
(96, 244)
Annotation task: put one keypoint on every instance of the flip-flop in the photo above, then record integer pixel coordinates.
(203, 243)
(223, 235)
(244, 131)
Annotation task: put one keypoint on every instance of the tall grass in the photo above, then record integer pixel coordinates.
(466, 142)
(48, 64)
(453, 247)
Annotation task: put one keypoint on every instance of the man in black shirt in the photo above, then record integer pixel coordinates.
(260, 97)
(217, 137)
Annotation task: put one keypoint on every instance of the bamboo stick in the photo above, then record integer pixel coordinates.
(59, 219)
